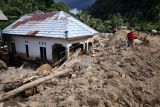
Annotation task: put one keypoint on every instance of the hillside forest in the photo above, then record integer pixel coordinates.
(103, 15)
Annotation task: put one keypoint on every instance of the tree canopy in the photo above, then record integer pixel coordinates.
(131, 9)
(141, 14)
(13, 9)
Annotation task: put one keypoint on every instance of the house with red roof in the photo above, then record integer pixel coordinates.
(47, 36)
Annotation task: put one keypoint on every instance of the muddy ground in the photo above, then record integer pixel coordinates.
(113, 75)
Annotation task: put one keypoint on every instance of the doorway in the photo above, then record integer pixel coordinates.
(27, 51)
(43, 54)
(58, 53)
(13, 48)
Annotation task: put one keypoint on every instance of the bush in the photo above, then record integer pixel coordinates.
(145, 26)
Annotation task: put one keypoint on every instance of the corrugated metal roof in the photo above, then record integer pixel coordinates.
(2, 16)
(52, 24)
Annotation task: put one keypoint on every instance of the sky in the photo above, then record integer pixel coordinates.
(77, 4)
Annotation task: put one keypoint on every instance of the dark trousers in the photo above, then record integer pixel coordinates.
(130, 43)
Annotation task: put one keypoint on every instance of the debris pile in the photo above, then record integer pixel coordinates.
(45, 68)
(114, 75)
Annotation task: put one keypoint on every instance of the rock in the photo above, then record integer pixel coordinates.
(108, 103)
(45, 68)
(154, 31)
(74, 75)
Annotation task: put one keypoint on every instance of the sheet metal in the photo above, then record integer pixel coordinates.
(52, 24)
(2, 16)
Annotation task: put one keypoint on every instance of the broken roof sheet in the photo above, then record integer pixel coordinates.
(52, 24)
(2, 16)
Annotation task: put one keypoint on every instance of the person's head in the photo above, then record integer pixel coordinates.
(132, 30)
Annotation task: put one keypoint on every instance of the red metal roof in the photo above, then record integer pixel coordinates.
(35, 17)
(51, 24)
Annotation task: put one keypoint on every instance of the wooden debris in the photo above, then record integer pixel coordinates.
(59, 72)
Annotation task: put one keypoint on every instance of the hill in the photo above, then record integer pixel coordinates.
(140, 14)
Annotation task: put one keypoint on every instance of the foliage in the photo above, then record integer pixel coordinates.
(114, 21)
(13, 9)
(96, 23)
(144, 13)
(146, 26)
(58, 6)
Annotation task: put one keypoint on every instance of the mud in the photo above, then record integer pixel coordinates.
(113, 75)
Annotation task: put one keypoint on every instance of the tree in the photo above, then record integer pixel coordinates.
(16, 8)
(96, 23)
(59, 7)
(115, 21)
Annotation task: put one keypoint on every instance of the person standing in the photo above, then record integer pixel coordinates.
(130, 38)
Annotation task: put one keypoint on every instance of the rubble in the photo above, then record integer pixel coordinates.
(114, 75)
(45, 68)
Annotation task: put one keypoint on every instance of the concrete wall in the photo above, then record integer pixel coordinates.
(34, 44)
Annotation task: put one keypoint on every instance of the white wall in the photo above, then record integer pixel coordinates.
(34, 46)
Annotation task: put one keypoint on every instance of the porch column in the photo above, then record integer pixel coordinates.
(86, 47)
(67, 52)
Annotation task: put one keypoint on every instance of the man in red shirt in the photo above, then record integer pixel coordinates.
(130, 38)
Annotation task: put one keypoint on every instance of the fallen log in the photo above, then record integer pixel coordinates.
(32, 84)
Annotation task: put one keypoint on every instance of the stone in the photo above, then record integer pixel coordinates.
(74, 75)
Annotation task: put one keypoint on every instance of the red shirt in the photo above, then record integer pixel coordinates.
(131, 36)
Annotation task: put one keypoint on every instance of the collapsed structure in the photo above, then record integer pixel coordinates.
(47, 36)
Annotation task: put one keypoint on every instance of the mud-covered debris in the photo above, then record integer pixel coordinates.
(45, 68)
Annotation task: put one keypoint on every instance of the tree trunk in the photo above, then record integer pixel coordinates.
(57, 73)
(32, 84)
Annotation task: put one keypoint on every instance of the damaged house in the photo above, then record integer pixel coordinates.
(47, 36)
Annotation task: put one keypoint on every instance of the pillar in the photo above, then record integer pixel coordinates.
(86, 47)
(67, 52)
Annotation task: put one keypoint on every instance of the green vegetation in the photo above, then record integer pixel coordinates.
(104, 15)
(93, 22)
(13, 9)
(140, 14)
(114, 21)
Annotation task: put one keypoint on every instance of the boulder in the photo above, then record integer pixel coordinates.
(154, 31)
